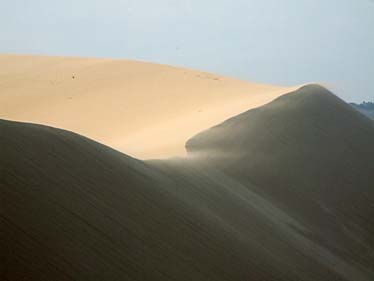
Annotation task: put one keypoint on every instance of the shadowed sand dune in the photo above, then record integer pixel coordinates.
(123, 103)
(281, 192)
(307, 139)
(307, 145)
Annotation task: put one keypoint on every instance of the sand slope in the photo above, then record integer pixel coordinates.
(313, 153)
(123, 104)
(265, 209)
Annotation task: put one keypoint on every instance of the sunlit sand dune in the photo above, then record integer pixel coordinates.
(145, 110)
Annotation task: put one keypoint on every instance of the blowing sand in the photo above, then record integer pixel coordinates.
(289, 198)
(142, 109)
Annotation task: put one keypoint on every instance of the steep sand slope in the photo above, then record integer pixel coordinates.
(311, 152)
(73, 209)
(142, 109)
(305, 138)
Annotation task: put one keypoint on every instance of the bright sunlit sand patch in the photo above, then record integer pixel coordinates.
(142, 109)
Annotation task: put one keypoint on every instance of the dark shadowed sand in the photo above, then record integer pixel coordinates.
(281, 192)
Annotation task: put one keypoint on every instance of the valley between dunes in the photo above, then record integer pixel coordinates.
(142, 109)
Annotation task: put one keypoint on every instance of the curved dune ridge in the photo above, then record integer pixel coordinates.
(142, 109)
(290, 198)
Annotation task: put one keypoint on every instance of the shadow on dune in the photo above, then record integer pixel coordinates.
(281, 192)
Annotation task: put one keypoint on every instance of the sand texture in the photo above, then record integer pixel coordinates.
(123, 103)
(283, 192)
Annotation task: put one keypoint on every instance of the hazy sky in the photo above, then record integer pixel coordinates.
(273, 41)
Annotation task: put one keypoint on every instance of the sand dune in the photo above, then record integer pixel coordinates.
(289, 198)
(123, 104)
(313, 153)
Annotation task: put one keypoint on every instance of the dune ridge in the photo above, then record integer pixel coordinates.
(122, 103)
(74, 209)
(308, 142)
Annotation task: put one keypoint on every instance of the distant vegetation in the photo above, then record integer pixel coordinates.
(366, 108)
(366, 105)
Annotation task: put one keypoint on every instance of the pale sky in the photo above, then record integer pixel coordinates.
(286, 42)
